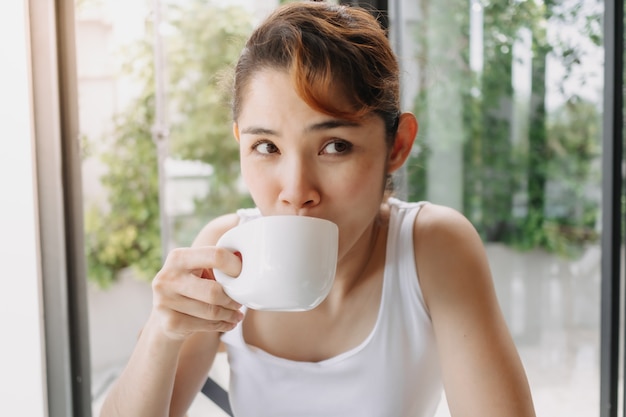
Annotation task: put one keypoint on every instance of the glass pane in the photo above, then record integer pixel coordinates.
(107, 33)
(509, 95)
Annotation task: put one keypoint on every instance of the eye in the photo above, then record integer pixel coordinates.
(265, 147)
(337, 147)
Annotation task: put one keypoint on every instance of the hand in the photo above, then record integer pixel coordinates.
(186, 297)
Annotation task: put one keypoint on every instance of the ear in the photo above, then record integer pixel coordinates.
(236, 131)
(405, 136)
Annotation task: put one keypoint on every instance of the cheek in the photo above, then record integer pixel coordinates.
(257, 182)
(364, 182)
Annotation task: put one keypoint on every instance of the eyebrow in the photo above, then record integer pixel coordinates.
(315, 127)
(254, 130)
(331, 124)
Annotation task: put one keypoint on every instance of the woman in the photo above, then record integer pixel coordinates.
(413, 309)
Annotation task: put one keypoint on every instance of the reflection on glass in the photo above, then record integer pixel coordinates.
(508, 95)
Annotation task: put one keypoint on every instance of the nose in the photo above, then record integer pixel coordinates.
(299, 189)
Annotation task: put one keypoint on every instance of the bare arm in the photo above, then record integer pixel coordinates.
(178, 343)
(482, 372)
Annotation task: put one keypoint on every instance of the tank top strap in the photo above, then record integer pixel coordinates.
(400, 249)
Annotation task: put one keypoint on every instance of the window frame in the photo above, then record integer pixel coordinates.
(612, 221)
(59, 197)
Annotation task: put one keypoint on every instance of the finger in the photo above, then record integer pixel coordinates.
(204, 257)
(205, 311)
(206, 291)
(182, 325)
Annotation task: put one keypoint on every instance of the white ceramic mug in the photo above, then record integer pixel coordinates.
(288, 262)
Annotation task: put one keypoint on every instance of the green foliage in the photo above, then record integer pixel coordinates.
(203, 45)
(533, 193)
(127, 233)
(575, 149)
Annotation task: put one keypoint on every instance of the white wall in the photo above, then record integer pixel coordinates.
(22, 386)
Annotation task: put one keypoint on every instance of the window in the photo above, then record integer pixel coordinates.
(525, 172)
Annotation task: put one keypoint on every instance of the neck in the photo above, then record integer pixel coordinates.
(358, 262)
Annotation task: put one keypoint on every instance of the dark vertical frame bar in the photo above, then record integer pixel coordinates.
(80, 357)
(611, 206)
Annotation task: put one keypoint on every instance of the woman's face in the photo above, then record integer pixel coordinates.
(296, 160)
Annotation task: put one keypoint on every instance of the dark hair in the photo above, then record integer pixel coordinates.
(326, 47)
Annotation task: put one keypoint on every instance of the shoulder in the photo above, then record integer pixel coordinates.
(213, 230)
(440, 229)
(441, 222)
(449, 254)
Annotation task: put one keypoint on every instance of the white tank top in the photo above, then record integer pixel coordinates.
(393, 372)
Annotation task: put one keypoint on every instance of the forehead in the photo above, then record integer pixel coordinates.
(274, 86)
